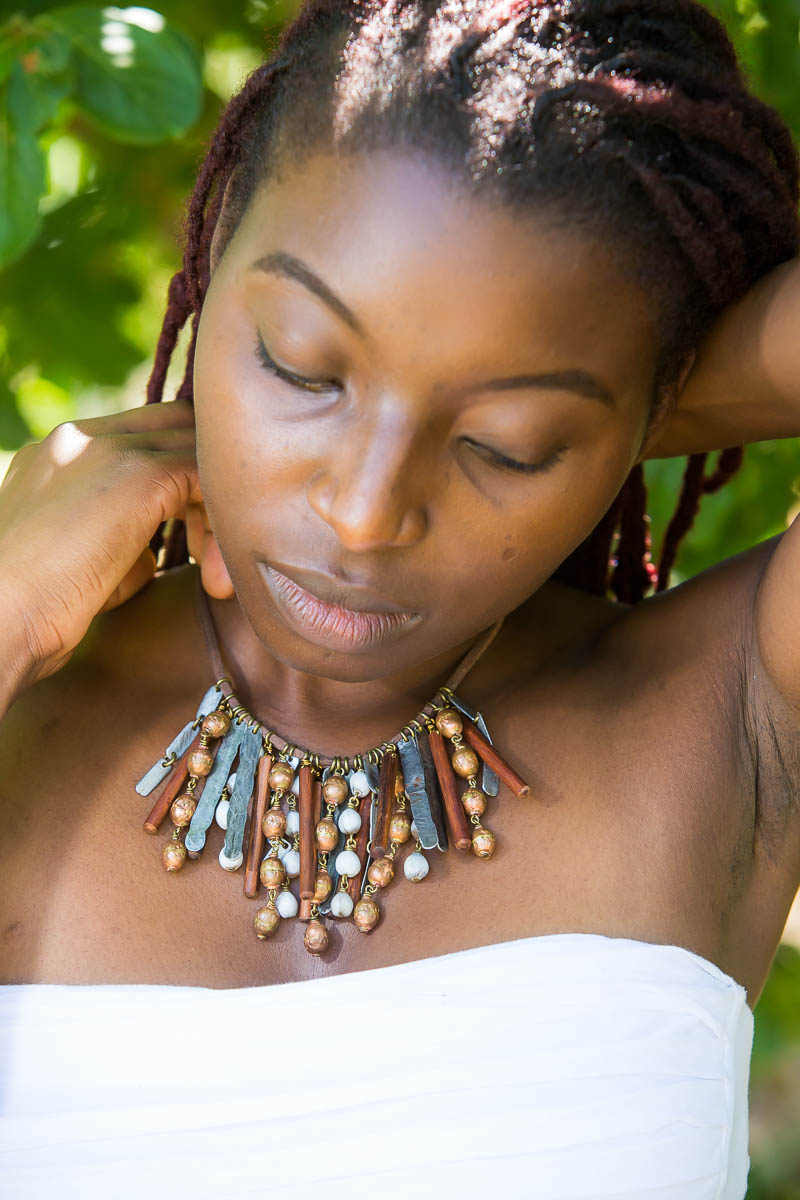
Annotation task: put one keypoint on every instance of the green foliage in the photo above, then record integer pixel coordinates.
(135, 76)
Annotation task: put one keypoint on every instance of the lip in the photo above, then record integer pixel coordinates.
(330, 624)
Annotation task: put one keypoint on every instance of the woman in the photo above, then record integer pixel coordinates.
(454, 271)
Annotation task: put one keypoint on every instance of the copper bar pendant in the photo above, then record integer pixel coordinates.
(458, 825)
(256, 832)
(308, 846)
(490, 756)
(174, 782)
(386, 791)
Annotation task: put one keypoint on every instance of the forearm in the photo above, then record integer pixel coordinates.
(16, 661)
(745, 386)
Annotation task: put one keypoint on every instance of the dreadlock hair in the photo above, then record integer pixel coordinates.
(628, 119)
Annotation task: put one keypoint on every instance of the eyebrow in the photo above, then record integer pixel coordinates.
(582, 383)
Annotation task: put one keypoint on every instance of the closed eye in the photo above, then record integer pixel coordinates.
(511, 464)
(307, 385)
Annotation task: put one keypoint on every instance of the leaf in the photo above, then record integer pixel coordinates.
(34, 96)
(22, 177)
(13, 430)
(139, 79)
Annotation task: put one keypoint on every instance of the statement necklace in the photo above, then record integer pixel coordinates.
(334, 825)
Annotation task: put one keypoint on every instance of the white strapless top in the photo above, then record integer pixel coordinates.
(558, 1067)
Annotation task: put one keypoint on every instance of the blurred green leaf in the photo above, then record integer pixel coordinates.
(137, 77)
(21, 168)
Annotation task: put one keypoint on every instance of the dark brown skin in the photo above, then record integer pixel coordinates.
(637, 730)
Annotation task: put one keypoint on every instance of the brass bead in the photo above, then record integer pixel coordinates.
(381, 872)
(216, 724)
(400, 828)
(273, 823)
(335, 789)
(448, 722)
(366, 914)
(316, 938)
(182, 810)
(272, 872)
(266, 921)
(474, 801)
(281, 776)
(327, 834)
(323, 886)
(200, 761)
(173, 855)
(483, 842)
(465, 761)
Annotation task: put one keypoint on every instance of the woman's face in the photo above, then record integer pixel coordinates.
(431, 337)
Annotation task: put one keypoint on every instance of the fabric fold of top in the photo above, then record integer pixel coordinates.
(558, 1067)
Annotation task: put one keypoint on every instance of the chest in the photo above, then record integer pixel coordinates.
(637, 826)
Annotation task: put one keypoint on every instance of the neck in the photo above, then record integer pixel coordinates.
(328, 716)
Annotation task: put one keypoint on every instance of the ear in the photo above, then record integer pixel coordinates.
(223, 230)
(204, 550)
(667, 403)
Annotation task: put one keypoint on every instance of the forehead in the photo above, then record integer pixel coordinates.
(424, 262)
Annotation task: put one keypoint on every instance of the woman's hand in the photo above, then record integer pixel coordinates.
(77, 511)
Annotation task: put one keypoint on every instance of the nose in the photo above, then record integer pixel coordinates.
(371, 489)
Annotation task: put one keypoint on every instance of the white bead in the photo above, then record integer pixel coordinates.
(221, 813)
(294, 760)
(230, 864)
(349, 820)
(359, 784)
(291, 861)
(295, 785)
(416, 867)
(348, 863)
(286, 904)
(292, 822)
(231, 782)
(414, 830)
(341, 905)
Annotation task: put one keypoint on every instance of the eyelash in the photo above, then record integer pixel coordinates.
(307, 385)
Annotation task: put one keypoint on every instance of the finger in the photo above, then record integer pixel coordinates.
(195, 530)
(168, 414)
(140, 573)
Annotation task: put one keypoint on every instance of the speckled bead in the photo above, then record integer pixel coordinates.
(341, 905)
(381, 872)
(291, 861)
(474, 801)
(221, 813)
(400, 828)
(483, 842)
(292, 822)
(465, 761)
(348, 863)
(366, 914)
(230, 864)
(286, 904)
(316, 937)
(416, 867)
(266, 921)
(272, 872)
(182, 810)
(448, 722)
(359, 784)
(274, 823)
(200, 762)
(327, 834)
(335, 789)
(349, 820)
(323, 886)
(281, 776)
(173, 855)
(216, 724)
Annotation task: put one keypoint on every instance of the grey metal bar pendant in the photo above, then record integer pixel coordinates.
(249, 754)
(417, 792)
(434, 792)
(215, 782)
(181, 742)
